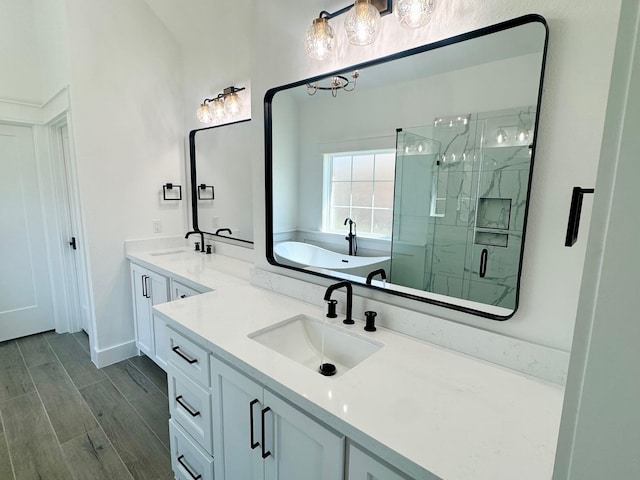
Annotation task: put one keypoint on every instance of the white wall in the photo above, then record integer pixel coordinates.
(126, 92)
(21, 77)
(572, 119)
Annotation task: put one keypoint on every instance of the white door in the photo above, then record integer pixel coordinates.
(25, 293)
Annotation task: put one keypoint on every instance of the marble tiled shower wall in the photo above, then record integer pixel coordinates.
(469, 178)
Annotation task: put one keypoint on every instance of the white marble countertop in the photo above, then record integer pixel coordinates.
(433, 412)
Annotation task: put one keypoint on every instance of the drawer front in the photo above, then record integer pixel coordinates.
(188, 461)
(190, 405)
(189, 358)
(178, 290)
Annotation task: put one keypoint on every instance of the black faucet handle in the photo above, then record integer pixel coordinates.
(331, 308)
(197, 246)
(370, 321)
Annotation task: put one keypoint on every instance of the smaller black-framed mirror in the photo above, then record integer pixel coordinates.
(415, 167)
(220, 181)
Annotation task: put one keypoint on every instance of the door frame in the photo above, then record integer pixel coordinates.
(54, 173)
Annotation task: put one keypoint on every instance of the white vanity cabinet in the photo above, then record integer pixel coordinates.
(257, 435)
(363, 466)
(190, 407)
(148, 288)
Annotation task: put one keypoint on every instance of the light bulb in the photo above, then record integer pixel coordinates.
(320, 39)
(501, 136)
(232, 104)
(204, 113)
(413, 13)
(522, 135)
(217, 108)
(362, 22)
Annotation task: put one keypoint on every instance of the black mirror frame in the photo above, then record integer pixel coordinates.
(268, 129)
(194, 181)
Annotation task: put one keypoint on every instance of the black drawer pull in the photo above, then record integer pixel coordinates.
(186, 407)
(266, 453)
(191, 361)
(254, 444)
(184, 465)
(144, 285)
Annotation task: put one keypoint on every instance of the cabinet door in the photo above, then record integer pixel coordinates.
(159, 288)
(140, 282)
(363, 466)
(299, 446)
(236, 422)
(161, 342)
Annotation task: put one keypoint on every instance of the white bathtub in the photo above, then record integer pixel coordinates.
(305, 255)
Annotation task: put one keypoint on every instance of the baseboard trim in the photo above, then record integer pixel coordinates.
(115, 354)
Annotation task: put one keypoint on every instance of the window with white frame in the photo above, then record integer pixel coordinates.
(359, 185)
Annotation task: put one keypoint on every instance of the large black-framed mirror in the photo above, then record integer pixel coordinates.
(220, 181)
(419, 165)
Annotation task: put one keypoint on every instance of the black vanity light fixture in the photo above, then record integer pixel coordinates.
(170, 189)
(225, 105)
(362, 23)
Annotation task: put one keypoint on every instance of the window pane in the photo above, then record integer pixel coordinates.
(341, 168)
(383, 197)
(362, 194)
(385, 166)
(382, 221)
(362, 217)
(338, 214)
(363, 167)
(341, 194)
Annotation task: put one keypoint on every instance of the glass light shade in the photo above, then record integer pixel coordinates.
(217, 108)
(232, 104)
(204, 113)
(362, 23)
(320, 39)
(413, 13)
(522, 135)
(501, 136)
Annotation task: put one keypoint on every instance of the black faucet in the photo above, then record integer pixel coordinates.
(351, 238)
(198, 232)
(380, 271)
(223, 230)
(327, 297)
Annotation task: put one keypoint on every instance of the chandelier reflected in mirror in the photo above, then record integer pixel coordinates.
(336, 83)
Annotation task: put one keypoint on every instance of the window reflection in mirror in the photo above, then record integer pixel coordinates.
(430, 156)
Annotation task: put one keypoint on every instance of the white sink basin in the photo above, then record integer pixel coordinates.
(300, 339)
(178, 255)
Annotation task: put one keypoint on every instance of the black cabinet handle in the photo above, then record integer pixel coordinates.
(189, 360)
(73, 243)
(254, 444)
(183, 296)
(184, 465)
(266, 453)
(483, 262)
(144, 286)
(186, 407)
(574, 215)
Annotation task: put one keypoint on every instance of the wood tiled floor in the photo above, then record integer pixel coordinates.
(62, 418)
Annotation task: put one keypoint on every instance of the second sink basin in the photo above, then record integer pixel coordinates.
(300, 339)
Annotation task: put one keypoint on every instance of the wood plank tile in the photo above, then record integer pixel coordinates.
(35, 350)
(33, 446)
(168, 476)
(143, 395)
(67, 410)
(92, 457)
(83, 339)
(6, 472)
(152, 371)
(14, 377)
(143, 454)
(75, 360)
